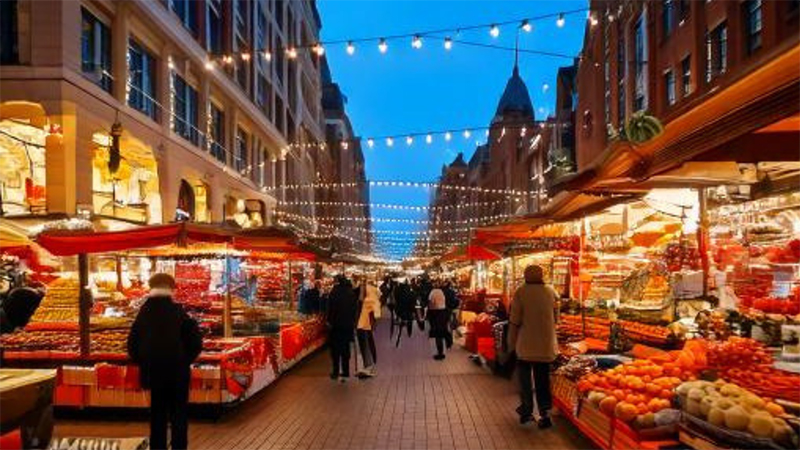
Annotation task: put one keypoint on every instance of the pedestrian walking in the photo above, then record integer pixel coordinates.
(439, 320)
(405, 309)
(341, 320)
(532, 334)
(163, 342)
(370, 313)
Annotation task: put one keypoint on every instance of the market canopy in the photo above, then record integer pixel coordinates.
(265, 240)
(470, 253)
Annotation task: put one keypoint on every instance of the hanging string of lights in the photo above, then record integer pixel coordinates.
(491, 218)
(390, 205)
(410, 184)
(448, 36)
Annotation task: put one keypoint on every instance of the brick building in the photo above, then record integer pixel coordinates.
(218, 101)
(671, 58)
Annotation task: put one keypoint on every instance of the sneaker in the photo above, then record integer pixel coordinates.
(365, 373)
(373, 370)
(438, 357)
(544, 422)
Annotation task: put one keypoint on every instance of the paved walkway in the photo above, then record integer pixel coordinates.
(413, 403)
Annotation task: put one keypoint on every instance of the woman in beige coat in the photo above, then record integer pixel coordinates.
(532, 335)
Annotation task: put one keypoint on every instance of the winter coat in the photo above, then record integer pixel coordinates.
(342, 307)
(163, 342)
(532, 323)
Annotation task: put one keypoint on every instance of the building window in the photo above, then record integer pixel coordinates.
(640, 64)
(96, 50)
(667, 17)
(686, 76)
(141, 80)
(669, 87)
(752, 24)
(240, 158)
(9, 50)
(217, 130)
(716, 52)
(186, 11)
(214, 27)
(185, 120)
(684, 10)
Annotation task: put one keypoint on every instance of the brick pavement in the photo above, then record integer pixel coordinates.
(413, 403)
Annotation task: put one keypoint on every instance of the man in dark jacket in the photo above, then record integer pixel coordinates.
(163, 342)
(342, 315)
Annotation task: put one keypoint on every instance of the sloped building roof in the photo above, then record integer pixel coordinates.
(515, 97)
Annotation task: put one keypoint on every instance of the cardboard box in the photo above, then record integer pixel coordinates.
(70, 396)
(78, 376)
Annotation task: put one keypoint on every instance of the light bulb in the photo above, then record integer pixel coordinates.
(593, 20)
(389, 142)
(494, 31)
(351, 49)
(560, 21)
(291, 52)
(319, 49)
(448, 43)
(409, 140)
(245, 56)
(267, 56)
(383, 46)
(467, 134)
(545, 87)
(345, 145)
(526, 26)
(370, 142)
(448, 136)
(416, 42)
(428, 139)
(209, 65)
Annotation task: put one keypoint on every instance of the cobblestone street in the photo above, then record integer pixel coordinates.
(414, 402)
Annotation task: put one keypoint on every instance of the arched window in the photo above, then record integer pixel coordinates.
(184, 211)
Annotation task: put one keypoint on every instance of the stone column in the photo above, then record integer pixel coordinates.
(119, 52)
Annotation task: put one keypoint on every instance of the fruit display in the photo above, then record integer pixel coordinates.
(577, 367)
(681, 255)
(748, 363)
(730, 407)
(598, 327)
(271, 282)
(60, 303)
(51, 340)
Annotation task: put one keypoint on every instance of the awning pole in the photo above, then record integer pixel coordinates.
(702, 237)
(84, 304)
(226, 310)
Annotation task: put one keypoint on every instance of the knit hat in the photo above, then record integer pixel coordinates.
(162, 281)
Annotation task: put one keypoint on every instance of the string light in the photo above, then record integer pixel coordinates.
(494, 31)
(428, 139)
(448, 43)
(267, 56)
(291, 52)
(383, 46)
(409, 140)
(416, 42)
(389, 142)
(209, 65)
(245, 56)
(351, 49)
(526, 26)
(467, 134)
(319, 49)
(560, 21)
(448, 136)
(593, 20)
(370, 142)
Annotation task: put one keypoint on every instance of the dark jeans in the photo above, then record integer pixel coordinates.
(541, 376)
(168, 405)
(442, 341)
(339, 343)
(366, 343)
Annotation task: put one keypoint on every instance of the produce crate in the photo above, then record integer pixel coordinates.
(78, 376)
(566, 391)
(137, 398)
(723, 437)
(596, 424)
(69, 396)
(627, 438)
(105, 397)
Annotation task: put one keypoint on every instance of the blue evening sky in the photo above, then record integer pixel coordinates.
(408, 90)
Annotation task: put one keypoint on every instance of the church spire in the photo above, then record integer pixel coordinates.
(516, 56)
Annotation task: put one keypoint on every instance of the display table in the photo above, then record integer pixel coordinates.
(26, 400)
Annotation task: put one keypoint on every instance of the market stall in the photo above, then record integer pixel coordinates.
(82, 332)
